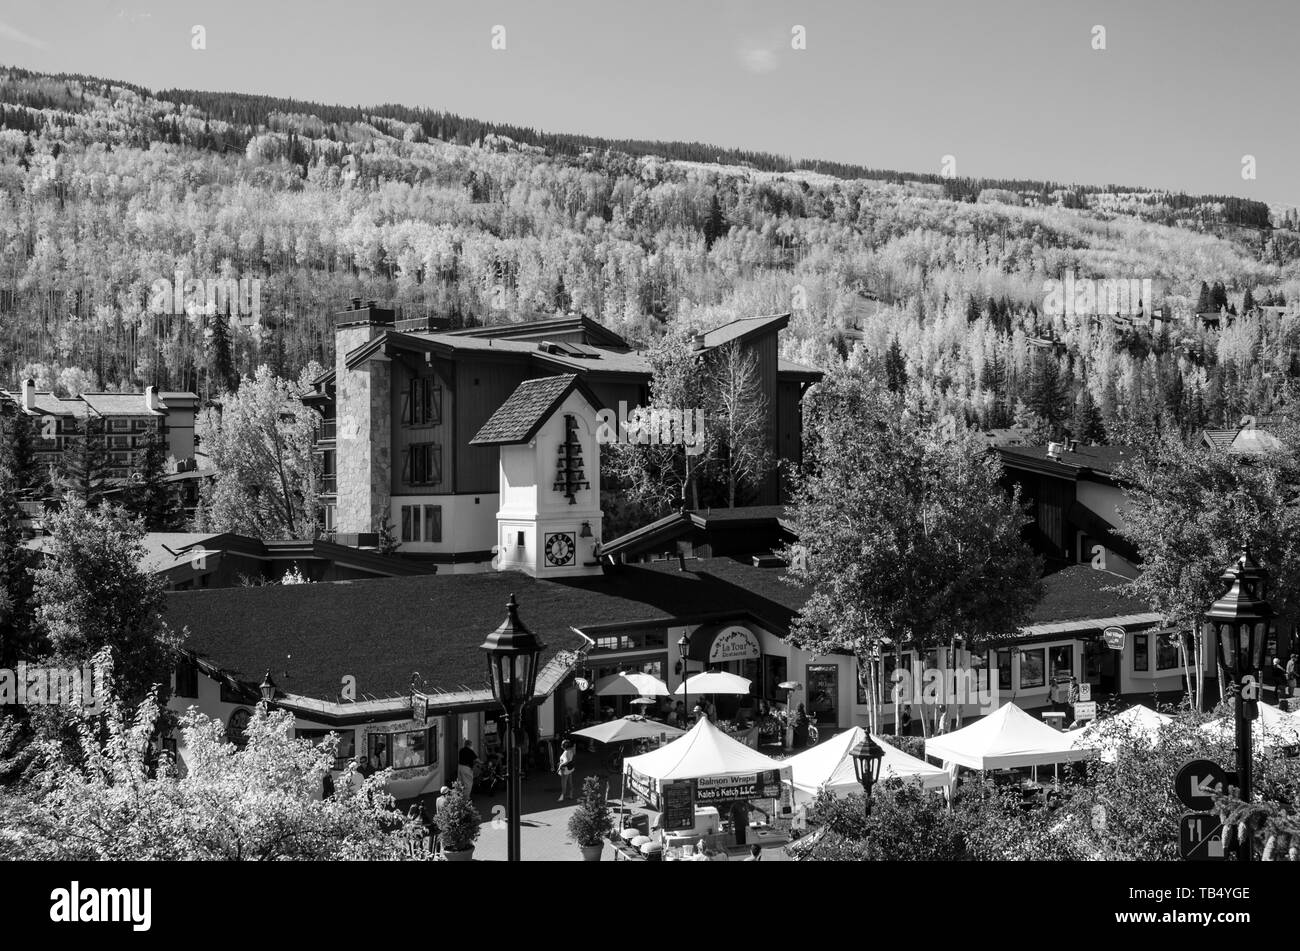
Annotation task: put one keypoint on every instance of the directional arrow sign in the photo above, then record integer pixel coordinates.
(1200, 837)
(1197, 783)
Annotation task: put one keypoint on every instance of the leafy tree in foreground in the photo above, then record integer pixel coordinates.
(260, 802)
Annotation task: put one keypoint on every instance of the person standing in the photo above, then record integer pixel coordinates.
(468, 759)
(755, 853)
(1292, 673)
(800, 728)
(568, 754)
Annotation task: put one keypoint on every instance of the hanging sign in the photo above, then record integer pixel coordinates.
(1114, 637)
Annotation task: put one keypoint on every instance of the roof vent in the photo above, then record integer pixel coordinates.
(1054, 450)
(697, 342)
(1073, 445)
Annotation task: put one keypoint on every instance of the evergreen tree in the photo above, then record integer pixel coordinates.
(1247, 302)
(1085, 424)
(895, 368)
(715, 226)
(1047, 396)
(1204, 301)
(972, 310)
(151, 499)
(220, 359)
(1218, 296)
(83, 471)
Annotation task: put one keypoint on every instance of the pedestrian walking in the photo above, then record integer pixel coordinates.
(566, 769)
(468, 759)
(755, 853)
(1292, 672)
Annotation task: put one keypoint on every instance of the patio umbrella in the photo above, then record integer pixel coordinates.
(1273, 728)
(631, 685)
(632, 727)
(713, 681)
(642, 702)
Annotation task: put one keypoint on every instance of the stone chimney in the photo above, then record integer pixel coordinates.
(362, 406)
(29, 395)
(152, 402)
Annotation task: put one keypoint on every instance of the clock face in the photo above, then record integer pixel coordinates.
(560, 547)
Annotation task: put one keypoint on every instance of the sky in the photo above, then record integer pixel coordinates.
(1181, 93)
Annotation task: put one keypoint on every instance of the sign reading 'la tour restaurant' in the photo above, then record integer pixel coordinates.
(734, 643)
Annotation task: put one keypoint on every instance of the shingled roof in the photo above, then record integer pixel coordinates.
(380, 632)
(518, 419)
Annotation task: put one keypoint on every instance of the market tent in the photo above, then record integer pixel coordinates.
(1104, 734)
(703, 751)
(1273, 728)
(631, 727)
(828, 765)
(713, 681)
(631, 685)
(1005, 739)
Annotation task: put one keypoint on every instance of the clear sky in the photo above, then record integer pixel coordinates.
(1010, 88)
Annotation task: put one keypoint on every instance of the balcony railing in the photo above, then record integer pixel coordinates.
(328, 428)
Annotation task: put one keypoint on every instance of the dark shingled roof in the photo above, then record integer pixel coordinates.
(1102, 460)
(1081, 592)
(382, 631)
(519, 418)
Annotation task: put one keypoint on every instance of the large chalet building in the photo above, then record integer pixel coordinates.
(407, 398)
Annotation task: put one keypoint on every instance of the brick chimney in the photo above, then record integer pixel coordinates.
(362, 406)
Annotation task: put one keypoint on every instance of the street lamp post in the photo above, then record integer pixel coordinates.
(1239, 620)
(512, 653)
(267, 689)
(684, 648)
(866, 766)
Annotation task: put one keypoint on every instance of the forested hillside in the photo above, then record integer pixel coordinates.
(107, 189)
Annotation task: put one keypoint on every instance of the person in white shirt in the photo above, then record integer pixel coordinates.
(568, 754)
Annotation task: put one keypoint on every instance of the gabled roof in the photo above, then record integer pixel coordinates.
(518, 419)
(745, 328)
(789, 370)
(593, 332)
(1080, 592)
(119, 404)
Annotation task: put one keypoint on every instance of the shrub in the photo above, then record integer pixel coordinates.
(591, 820)
(459, 823)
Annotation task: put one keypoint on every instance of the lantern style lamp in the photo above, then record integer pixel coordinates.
(867, 756)
(684, 648)
(1239, 620)
(512, 653)
(267, 689)
(1240, 617)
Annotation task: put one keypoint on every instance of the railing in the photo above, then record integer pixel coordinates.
(329, 484)
(328, 428)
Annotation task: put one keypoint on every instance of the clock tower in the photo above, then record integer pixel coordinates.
(549, 521)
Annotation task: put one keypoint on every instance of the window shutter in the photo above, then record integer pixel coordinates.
(406, 465)
(435, 464)
(406, 407)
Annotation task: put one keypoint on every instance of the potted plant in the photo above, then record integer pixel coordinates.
(591, 821)
(458, 824)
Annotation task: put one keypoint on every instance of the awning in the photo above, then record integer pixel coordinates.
(719, 643)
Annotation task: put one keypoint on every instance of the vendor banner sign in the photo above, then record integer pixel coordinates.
(764, 785)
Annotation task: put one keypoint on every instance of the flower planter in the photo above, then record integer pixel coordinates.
(591, 853)
(459, 855)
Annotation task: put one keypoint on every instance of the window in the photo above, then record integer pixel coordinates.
(1166, 651)
(119, 425)
(329, 471)
(423, 464)
(774, 672)
(1031, 668)
(1004, 670)
(422, 403)
(409, 749)
(632, 641)
(187, 679)
(520, 542)
(422, 523)
(1141, 656)
(1063, 661)
(823, 685)
(345, 750)
(433, 523)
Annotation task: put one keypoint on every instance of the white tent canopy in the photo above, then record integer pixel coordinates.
(628, 728)
(631, 685)
(713, 681)
(1273, 728)
(828, 765)
(703, 751)
(1005, 739)
(1104, 734)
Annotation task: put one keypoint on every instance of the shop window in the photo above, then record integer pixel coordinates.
(823, 685)
(1032, 673)
(1062, 658)
(345, 750)
(1141, 655)
(774, 672)
(407, 749)
(1166, 651)
(1004, 670)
